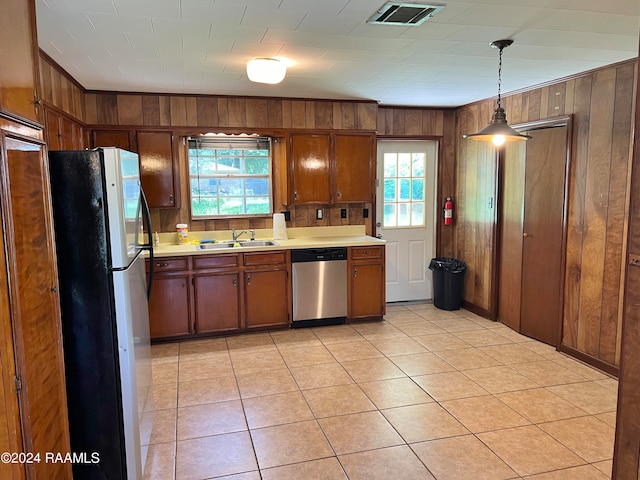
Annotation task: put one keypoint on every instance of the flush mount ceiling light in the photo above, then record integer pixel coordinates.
(498, 131)
(266, 70)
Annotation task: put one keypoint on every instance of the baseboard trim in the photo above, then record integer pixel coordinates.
(589, 360)
(477, 310)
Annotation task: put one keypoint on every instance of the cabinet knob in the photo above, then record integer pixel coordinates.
(160, 265)
(525, 234)
(171, 199)
(295, 195)
(366, 252)
(338, 194)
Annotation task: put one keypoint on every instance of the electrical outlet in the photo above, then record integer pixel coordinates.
(287, 216)
(343, 213)
(365, 213)
(318, 214)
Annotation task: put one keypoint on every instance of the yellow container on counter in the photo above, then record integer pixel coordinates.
(182, 229)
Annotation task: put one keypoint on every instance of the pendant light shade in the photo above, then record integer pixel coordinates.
(266, 70)
(498, 131)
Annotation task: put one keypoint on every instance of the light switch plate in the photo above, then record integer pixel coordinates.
(318, 214)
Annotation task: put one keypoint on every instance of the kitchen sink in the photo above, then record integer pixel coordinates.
(238, 244)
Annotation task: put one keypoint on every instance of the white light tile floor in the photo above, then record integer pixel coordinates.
(424, 394)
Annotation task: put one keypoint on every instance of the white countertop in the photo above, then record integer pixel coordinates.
(308, 237)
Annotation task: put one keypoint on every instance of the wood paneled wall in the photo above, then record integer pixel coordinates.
(601, 103)
(60, 90)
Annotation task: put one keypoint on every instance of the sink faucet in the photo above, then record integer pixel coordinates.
(237, 235)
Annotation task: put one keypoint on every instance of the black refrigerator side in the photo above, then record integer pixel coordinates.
(88, 313)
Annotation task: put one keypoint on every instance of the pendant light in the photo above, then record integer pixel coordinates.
(498, 131)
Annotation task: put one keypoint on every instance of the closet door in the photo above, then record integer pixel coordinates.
(531, 234)
(542, 256)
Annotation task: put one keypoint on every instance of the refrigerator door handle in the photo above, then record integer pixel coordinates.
(149, 245)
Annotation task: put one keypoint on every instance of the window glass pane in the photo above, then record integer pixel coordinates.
(390, 215)
(417, 214)
(405, 189)
(417, 189)
(204, 206)
(418, 165)
(231, 187)
(257, 205)
(389, 190)
(404, 165)
(390, 166)
(256, 186)
(256, 165)
(231, 206)
(404, 214)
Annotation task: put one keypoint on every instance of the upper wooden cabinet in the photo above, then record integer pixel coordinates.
(158, 170)
(113, 138)
(18, 59)
(310, 171)
(62, 133)
(331, 168)
(354, 168)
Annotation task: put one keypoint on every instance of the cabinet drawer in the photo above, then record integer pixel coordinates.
(265, 258)
(165, 264)
(215, 261)
(365, 252)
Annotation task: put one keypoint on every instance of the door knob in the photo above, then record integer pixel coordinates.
(378, 224)
(525, 234)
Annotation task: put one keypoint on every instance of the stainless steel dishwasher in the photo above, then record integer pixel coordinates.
(319, 286)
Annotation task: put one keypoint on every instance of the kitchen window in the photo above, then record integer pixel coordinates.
(230, 176)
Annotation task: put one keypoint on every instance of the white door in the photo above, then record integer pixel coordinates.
(406, 190)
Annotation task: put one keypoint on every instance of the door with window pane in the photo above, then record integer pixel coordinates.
(406, 193)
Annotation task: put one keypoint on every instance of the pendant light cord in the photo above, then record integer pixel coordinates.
(500, 77)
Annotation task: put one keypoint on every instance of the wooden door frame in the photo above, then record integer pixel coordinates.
(524, 127)
(626, 452)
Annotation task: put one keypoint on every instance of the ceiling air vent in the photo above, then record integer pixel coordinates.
(408, 14)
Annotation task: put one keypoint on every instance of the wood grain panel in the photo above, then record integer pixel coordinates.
(150, 110)
(323, 115)
(446, 181)
(207, 108)
(398, 122)
(286, 114)
(192, 111)
(275, 113)
(165, 110)
(535, 99)
(615, 228)
(298, 114)
(91, 108)
(178, 110)
(107, 107)
(597, 191)
(575, 221)
(516, 109)
(310, 115)
(257, 113)
(130, 110)
(544, 103)
(367, 115)
(348, 117)
(237, 111)
(429, 122)
(223, 112)
(556, 102)
(413, 122)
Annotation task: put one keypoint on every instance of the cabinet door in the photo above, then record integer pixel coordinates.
(354, 167)
(169, 306)
(310, 168)
(157, 168)
(18, 57)
(217, 300)
(266, 298)
(112, 138)
(35, 307)
(367, 290)
(53, 135)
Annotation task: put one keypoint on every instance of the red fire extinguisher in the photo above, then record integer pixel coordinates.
(448, 211)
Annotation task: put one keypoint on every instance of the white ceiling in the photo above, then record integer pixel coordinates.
(202, 46)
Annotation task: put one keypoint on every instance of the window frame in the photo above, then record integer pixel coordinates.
(238, 142)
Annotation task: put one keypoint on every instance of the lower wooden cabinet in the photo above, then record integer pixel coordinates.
(169, 305)
(366, 282)
(217, 302)
(223, 293)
